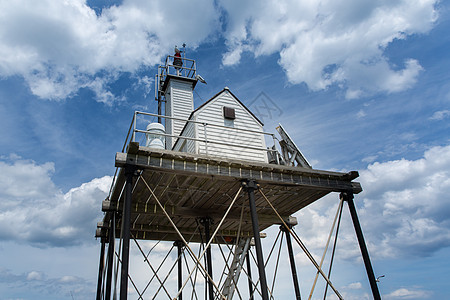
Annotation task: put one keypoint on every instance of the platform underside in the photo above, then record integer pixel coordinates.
(191, 187)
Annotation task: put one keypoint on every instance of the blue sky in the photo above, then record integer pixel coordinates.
(359, 85)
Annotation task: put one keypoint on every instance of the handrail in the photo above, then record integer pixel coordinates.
(132, 130)
(188, 66)
(203, 123)
(205, 140)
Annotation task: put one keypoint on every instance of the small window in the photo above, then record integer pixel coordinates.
(228, 113)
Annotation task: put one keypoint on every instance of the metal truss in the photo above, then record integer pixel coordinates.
(236, 257)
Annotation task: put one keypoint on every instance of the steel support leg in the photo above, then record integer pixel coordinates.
(207, 222)
(180, 245)
(126, 219)
(100, 269)
(249, 273)
(292, 262)
(251, 186)
(111, 254)
(362, 245)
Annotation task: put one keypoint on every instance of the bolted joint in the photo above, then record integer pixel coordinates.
(179, 244)
(203, 221)
(250, 184)
(131, 170)
(102, 225)
(290, 222)
(284, 229)
(106, 206)
(100, 233)
(346, 196)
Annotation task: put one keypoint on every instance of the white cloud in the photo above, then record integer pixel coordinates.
(354, 286)
(440, 115)
(34, 210)
(59, 47)
(330, 42)
(38, 285)
(404, 293)
(34, 275)
(404, 210)
(361, 114)
(405, 205)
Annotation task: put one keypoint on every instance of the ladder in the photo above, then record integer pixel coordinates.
(230, 283)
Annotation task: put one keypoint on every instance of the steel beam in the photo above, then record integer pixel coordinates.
(250, 187)
(292, 262)
(126, 219)
(101, 268)
(206, 222)
(362, 244)
(249, 273)
(180, 245)
(110, 256)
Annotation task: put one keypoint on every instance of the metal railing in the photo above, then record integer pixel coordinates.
(187, 69)
(133, 130)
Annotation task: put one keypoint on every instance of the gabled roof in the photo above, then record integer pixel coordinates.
(237, 99)
(209, 101)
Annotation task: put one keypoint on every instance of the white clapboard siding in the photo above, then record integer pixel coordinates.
(185, 145)
(212, 113)
(179, 104)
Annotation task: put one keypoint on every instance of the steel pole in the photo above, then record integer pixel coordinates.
(251, 186)
(100, 269)
(362, 244)
(112, 227)
(206, 222)
(292, 262)
(179, 245)
(249, 273)
(126, 219)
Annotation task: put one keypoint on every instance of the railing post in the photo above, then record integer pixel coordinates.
(206, 138)
(134, 127)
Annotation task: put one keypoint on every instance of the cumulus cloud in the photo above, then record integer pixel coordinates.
(322, 43)
(34, 275)
(404, 293)
(404, 210)
(59, 47)
(405, 204)
(34, 210)
(33, 284)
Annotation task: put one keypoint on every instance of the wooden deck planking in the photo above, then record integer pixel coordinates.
(194, 186)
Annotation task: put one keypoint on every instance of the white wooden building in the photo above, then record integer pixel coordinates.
(229, 127)
(179, 104)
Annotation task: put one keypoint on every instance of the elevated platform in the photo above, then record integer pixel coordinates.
(195, 186)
